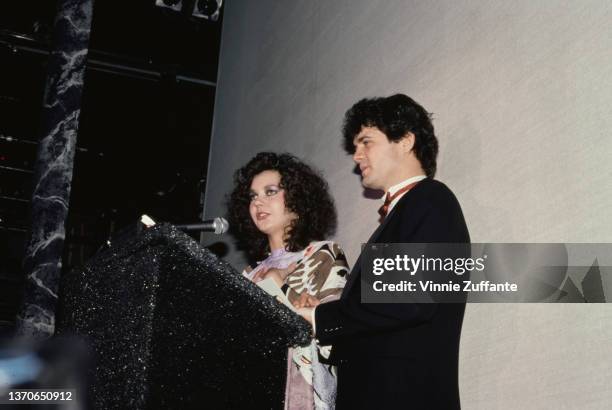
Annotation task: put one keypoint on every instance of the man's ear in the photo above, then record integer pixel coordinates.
(407, 142)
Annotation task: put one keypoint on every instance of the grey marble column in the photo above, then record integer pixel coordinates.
(53, 168)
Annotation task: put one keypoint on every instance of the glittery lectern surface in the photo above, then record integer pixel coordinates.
(174, 327)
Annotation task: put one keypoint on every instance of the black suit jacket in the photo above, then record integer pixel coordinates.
(399, 355)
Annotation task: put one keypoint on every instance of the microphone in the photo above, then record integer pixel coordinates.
(217, 225)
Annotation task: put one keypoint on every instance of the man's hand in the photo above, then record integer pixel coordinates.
(279, 275)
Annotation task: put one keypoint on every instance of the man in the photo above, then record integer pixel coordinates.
(396, 355)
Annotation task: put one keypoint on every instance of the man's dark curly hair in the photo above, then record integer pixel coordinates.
(394, 116)
(306, 194)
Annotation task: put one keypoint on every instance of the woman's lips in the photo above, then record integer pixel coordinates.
(261, 215)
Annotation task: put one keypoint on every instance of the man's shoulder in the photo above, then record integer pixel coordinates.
(434, 186)
(434, 213)
(430, 191)
(429, 196)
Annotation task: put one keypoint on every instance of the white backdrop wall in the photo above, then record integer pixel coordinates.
(521, 93)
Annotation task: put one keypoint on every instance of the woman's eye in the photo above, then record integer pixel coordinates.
(252, 196)
(271, 192)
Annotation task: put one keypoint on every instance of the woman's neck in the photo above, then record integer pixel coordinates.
(276, 242)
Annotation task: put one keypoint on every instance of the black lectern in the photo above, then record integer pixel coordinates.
(173, 327)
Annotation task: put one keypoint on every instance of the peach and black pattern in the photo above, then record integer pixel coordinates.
(321, 272)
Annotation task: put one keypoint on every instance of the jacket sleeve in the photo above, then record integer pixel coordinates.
(347, 317)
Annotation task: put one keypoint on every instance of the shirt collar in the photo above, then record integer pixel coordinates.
(399, 186)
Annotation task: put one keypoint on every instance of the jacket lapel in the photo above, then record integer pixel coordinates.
(355, 272)
(375, 237)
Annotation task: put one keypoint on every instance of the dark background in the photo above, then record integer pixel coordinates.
(144, 129)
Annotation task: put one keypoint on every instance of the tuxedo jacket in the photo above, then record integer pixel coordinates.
(402, 355)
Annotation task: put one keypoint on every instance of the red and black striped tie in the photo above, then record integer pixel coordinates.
(384, 209)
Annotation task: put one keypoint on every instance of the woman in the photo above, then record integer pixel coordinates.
(281, 212)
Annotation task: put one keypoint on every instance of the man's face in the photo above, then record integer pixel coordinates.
(379, 159)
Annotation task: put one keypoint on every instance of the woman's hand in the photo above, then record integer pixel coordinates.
(278, 275)
(306, 313)
(305, 300)
(304, 305)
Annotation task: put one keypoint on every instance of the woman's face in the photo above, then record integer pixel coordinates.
(267, 206)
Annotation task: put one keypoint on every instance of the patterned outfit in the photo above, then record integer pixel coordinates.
(321, 271)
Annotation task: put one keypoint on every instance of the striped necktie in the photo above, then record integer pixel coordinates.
(384, 209)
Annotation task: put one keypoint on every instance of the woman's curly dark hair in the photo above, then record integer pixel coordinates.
(306, 194)
(394, 116)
